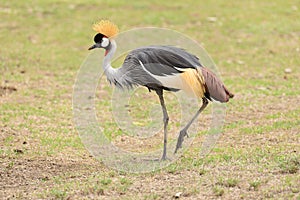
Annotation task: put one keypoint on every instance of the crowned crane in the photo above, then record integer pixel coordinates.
(160, 68)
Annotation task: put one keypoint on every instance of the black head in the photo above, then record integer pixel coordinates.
(101, 41)
(98, 38)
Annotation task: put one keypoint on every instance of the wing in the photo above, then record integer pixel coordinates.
(164, 60)
(173, 69)
(167, 67)
(214, 86)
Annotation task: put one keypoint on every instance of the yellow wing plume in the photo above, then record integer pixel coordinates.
(194, 82)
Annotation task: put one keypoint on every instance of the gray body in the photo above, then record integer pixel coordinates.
(163, 61)
(158, 60)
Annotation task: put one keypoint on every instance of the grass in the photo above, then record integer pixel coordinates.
(105, 181)
(230, 182)
(218, 191)
(289, 165)
(257, 156)
(254, 185)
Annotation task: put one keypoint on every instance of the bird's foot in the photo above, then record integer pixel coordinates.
(180, 139)
(165, 158)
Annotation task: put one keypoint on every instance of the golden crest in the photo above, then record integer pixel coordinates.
(106, 28)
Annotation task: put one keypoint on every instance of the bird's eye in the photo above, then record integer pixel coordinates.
(105, 42)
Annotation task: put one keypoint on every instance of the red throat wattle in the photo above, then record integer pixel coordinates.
(106, 52)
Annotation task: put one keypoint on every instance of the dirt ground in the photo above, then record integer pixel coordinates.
(24, 176)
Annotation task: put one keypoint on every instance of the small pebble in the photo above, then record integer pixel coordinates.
(262, 88)
(240, 62)
(178, 194)
(288, 70)
(212, 19)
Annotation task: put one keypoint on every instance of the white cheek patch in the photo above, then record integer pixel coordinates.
(105, 42)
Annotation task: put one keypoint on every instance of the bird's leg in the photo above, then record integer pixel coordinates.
(165, 119)
(183, 132)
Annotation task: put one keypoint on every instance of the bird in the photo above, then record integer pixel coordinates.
(160, 68)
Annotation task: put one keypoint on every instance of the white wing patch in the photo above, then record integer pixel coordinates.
(170, 81)
(182, 69)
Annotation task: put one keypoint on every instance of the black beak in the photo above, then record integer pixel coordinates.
(93, 47)
(96, 45)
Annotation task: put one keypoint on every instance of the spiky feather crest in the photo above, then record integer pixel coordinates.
(106, 28)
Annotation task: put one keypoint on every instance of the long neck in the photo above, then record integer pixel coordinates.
(108, 70)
